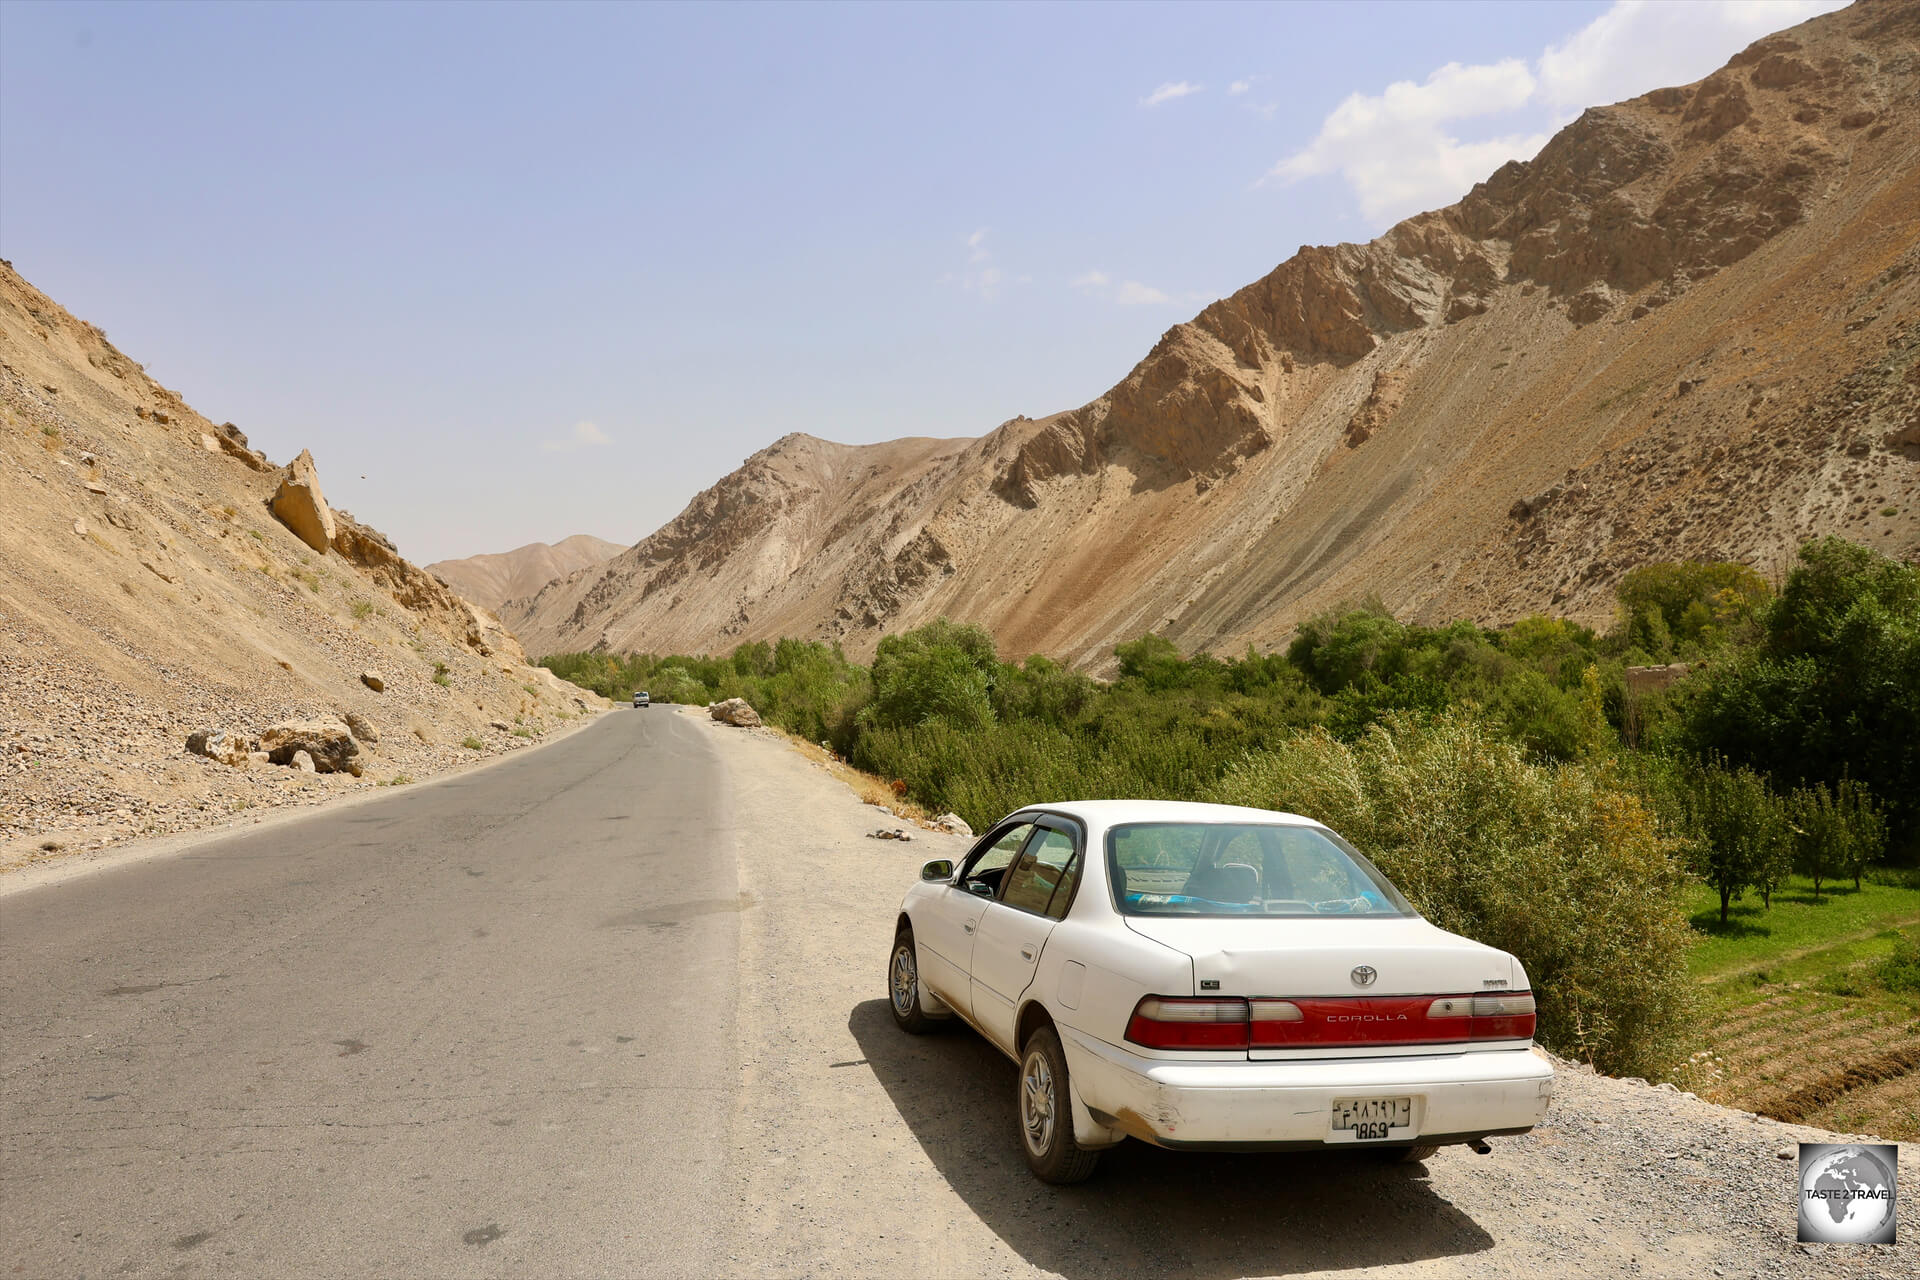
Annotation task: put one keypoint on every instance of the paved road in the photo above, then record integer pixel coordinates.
(477, 1027)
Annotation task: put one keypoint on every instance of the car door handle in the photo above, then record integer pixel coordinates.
(1026, 953)
(968, 926)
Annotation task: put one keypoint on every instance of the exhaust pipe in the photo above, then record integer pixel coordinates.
(1479, 1147)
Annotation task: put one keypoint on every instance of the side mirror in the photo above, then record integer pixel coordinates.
(938, 869)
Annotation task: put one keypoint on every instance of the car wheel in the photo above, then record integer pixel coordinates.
(1046, 1113)
(903, 986)
(1402, 1155)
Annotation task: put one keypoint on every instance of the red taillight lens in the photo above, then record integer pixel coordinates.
(1169, 1022)
(1175, 1022)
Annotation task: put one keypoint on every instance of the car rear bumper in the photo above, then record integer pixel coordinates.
(1242, 1104)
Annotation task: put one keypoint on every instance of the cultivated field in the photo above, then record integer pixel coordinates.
(1800, 1021)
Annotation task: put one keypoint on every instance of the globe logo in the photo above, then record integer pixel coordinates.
(1847, 1193)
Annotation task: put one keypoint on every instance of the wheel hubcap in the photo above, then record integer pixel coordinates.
(905, 980)
(1037, 1105)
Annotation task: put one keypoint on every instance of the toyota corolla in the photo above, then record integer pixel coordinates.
(1213, 978)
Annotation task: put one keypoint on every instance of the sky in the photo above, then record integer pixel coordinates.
(515, 272)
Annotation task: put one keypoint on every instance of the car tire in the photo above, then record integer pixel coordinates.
(903, 986)
(1044, 1108)
(1402, 1155)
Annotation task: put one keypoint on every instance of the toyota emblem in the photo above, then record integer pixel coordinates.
(1364, 976)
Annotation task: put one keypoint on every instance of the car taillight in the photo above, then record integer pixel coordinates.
(1176, 1022)
(1170, 1022)
(1505, 1015)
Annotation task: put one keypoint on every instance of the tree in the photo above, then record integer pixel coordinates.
(1741, 839)
(1834, 690)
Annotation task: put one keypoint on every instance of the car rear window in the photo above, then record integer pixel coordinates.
(1236, 869)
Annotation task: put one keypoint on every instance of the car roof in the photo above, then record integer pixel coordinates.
(1112, 813)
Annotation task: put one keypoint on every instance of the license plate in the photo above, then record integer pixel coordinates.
(1372, 1117)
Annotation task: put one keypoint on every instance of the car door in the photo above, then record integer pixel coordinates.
(1013, 929)
(943, 928)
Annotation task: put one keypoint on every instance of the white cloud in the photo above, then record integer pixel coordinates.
(1132, 293)
(1239, 87)
(1403, 149)
(1169, 91)
(1393, 148)
(1637, 46)
(1127, 293)
(584, 435)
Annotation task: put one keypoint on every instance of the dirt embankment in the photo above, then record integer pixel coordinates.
(148, 590)
(861, 1151)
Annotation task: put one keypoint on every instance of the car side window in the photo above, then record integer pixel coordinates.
(989, 867)
(1035, 879)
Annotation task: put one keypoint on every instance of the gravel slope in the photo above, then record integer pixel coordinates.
(856, 1150)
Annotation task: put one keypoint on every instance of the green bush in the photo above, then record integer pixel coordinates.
(1901, 970)
(943, 671)
(1679, 608)
(1561, 865)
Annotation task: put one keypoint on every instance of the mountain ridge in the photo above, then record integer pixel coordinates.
(1626, 348)
(490, 580)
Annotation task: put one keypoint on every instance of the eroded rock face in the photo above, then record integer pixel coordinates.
(228, 746)
(301, 506)
(735, 711)
(362, 727)
(331, 746)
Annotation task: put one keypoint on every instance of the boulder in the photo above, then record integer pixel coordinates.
(301, 506)
(228, 746)
(953, 824)
(374, 681)
(330, 746)
(303, 763)
(735, 711)
(362, 727)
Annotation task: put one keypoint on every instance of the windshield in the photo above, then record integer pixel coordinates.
(1234, 869)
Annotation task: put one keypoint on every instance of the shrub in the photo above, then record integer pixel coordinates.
(1901, 970)
(472, 743)
(1559, 864)
(1683, 606)
(943, 670)
(362, 608)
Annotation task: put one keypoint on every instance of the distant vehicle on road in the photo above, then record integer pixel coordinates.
(640, 698)
(1214, 978)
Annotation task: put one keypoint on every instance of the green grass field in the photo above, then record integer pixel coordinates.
(1796, 1020)
(1800, 930)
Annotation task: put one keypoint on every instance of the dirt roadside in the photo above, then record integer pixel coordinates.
(24, 866)
(860, 1151)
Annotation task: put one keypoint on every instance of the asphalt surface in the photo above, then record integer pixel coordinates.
(477, 1027)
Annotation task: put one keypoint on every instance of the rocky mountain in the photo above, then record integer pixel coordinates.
(1686, 329)
(492, 580)
(161, 581)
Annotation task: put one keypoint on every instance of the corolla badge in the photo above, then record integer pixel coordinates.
(1364, 975)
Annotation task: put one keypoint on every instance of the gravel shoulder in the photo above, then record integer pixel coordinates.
(856, 1150)
(291, 797)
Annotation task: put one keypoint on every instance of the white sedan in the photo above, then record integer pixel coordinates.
(1215, 978)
